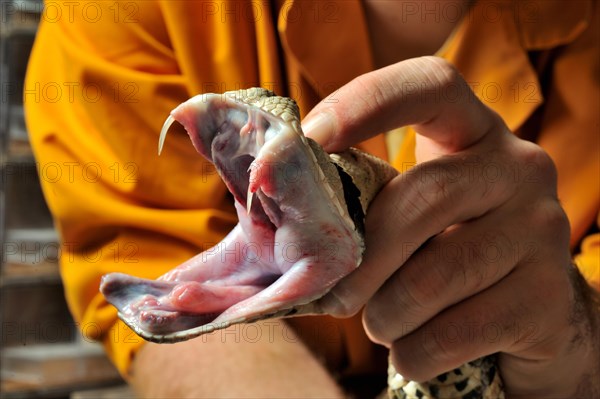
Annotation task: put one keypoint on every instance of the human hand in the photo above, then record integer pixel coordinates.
(468, 252)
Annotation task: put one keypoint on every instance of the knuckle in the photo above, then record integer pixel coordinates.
(549, 218)
(439, 69)
(429, 192)
(443, 77)
(535, 159)
(487, 258)
(557, 220)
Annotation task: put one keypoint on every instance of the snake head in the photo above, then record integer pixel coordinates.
(299, 231)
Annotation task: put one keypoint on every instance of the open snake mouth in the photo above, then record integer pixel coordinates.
(295, 239)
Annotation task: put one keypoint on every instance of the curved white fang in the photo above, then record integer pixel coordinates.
(249, 201)
(163, 132)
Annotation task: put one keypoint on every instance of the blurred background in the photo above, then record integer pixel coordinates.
(42, 353)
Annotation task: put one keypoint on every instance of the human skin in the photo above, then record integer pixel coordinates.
(273, 364)
(432, 295)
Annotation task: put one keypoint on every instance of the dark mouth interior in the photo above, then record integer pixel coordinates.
(160, 309)
(234, 170)
(236, 174)
(352, 198)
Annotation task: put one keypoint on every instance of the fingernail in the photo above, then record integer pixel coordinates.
(319, 128)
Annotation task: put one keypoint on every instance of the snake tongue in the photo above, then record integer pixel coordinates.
(290, 247)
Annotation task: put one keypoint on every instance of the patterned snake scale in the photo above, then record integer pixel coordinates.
(350, 181)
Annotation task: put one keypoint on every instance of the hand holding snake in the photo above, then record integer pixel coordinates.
(440, 301)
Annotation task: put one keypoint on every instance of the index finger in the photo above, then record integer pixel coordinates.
(426, 92)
